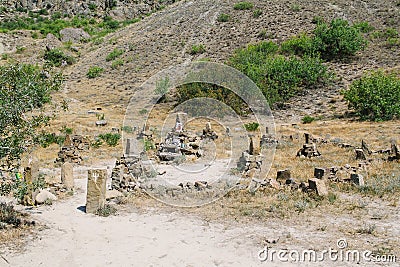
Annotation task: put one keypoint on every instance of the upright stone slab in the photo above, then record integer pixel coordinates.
(96, 190)
(318, 185)
(67, 175)
(319, 173)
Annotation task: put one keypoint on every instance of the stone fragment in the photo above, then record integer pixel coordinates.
(319, 173)
(357, 179)
(318, 185)
(283, 175)
(96, 190)
(360, 154)
(67, 175)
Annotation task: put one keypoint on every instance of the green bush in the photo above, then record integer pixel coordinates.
(111, 139)
(114, 54)
(338, 39)
(299, 45)
(278, 77)
(375, 96)
(9, 216)
(56, 57)
(198, 90)
(364, 27)
(23, 89)
(257, 13)
(117, 63)
(223, 17)
(197, 49)
(243, 6)
(251, 126)
(307, 119)
(94, 72)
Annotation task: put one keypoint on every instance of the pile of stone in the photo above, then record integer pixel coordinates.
(309, 149)
(72, 146)
(127, 173)
(180, 142)
(250, 161)
(208, 133)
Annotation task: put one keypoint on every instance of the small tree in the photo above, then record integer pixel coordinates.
(24, 90)
(376, 96)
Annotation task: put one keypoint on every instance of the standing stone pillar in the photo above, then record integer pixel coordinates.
(96, 190)
(67, 175)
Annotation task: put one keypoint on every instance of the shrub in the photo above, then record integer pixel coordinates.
(94, 72)
(257, 13)
(110, 138)
(307, 119)
(338, 39)
(114, 54)
(364, 27)
(243, 6)
(197, 49)
(56, 57)
(117, 63)
(376, 96)
(8, 215)
(251, 126)
(299, 45)
(223, 17)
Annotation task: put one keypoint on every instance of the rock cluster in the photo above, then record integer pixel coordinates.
(126, 173)
(309, 149)
(70, 150)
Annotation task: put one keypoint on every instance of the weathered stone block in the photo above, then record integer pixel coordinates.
(358, 179)
(319, 173)
(318, 185)
(283, 175)
(96, 190)
(67, 175)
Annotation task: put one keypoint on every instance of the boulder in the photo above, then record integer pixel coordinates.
(74, 35)
(43, 196)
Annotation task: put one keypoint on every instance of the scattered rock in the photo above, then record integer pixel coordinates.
(318, 185)
(44, 196)
(74, 35)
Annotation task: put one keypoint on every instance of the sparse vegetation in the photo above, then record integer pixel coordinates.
(197, 49)
(307, 119)
(111, 139)
(56, 57)
(375, 96)
(106, 211)
(117, 63)
(114, 54)
(257, 13)
(251, 126)
(94, 72)
(243, 6)
(223, 17)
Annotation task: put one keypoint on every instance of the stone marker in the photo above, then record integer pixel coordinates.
(96, 190)
(360, 155)
(67, 175)
(318, 185)
(319, 173)
(283, 175)
(358, 179)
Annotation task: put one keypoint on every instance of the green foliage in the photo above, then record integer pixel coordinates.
(127, 129)
(4, 56)
(143, 111)
(299, 45)
(106, 211)
(364, 27)
(375, 96)
(278, 77)
(295, 8)
(111, 139)
(114, 54)
(307, 119)
(23, 89)
(197, 49)
(148, 145)
(117, 63)
(198, 90)
(162, 86)
(338, 39)
(223, 17)
(243, 6)
(92, 6)
(251, 126)
(257, 13)
(56, 57)
(46, 139)
(8, 216)
(94, 72)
